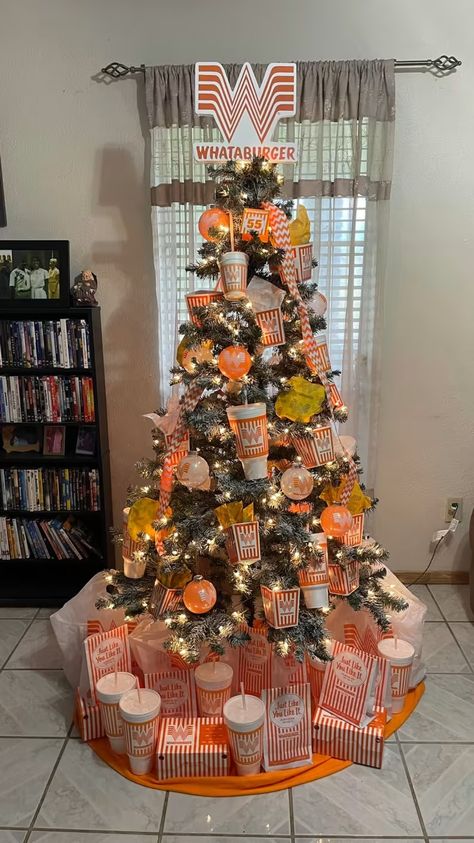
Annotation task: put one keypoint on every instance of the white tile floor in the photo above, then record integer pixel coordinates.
(53, 789)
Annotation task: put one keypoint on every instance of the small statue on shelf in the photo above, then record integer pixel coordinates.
(85, 288)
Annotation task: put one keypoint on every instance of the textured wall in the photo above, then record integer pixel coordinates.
(74, 161)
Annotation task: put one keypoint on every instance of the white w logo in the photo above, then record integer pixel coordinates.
(250, 111)
(180, 734)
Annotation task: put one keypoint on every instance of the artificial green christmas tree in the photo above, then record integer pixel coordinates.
(248, 520)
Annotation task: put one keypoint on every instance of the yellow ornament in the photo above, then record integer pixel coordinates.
(188, 355)
(142, 513)
(302, 401)
(357, 502)
(300, 231)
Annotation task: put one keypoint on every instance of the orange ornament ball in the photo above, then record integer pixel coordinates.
(212, 218)
(234, 362)
(199, 596)
(336, 520)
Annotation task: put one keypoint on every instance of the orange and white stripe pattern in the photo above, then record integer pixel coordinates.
(303, 258)
(334, 737)
(165, 599)
(262, 104)
(286, 670)
(400, 679)
(316, 573)
(323, 354)
(243, 542)
(316, 448)
(182, 450)
(192, 747)
(368, 643)
(287, 732)
(251, 437)
(336, 399)
(255, 220)
(255, 661)
(348, 681)
(354, 536)
(234, 277)
(201, 298)
(246, 747)
(270, 323)
(343, 581)
(177, 690)
(87, 719)
(281, 607)
(113, 723)
(140, 738)
(106, 652)
(316, 671)
(211, 703)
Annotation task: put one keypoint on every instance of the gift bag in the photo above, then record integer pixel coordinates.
(287, 736)
(70, 624)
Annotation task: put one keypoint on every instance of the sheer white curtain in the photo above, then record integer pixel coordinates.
(344, 133)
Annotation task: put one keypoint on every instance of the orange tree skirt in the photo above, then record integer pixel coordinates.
(323, 765)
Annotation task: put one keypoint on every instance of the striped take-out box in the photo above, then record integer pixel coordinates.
(192, 746)
(339, 739)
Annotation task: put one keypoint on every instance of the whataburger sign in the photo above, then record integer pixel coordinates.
(246, 114)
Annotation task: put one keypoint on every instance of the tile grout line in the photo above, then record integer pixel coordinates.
(292, 815)
(413, 795)
(448, 623)
(163, 818)
(50, 779)
(20, 638)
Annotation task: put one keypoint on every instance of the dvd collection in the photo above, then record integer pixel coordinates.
(50, 489)
(23, 538)
(46, 398)
(64, 343)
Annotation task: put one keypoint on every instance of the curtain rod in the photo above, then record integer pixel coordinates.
(443, 64)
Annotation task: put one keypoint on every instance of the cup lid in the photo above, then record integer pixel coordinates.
(111, 691)
(136, 709)
(213, 676)
(401, 654)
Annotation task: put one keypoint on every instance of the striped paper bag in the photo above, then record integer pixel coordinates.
(106, 652)
(354, 536)
(367, 641)
(177, 690)
(339, 739)
(287, 736)
(87, 718)
(255, 662)
(335, 396)
(349, 683)
(286, 670)
(189, 747)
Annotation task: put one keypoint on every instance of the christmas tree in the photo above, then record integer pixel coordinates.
(265, 511)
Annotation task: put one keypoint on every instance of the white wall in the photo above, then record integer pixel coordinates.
(74, 161)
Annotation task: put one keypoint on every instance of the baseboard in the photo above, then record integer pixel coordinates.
(434, 577)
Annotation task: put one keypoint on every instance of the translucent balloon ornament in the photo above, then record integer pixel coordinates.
(192, 471)
(336, 520)
(296, 482)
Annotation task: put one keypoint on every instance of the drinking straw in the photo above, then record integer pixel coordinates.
(244, 704)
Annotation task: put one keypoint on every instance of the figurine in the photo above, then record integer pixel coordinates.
(85, 288)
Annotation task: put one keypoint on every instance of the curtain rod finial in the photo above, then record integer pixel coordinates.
(117, 70)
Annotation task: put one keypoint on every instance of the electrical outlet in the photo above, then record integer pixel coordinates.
(450, 512)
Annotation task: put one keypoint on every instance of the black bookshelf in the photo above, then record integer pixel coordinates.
(51, 581)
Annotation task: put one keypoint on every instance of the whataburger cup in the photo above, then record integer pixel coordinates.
(140, 712)
(233, 266)
(245, 730)
(249, 424)
(400, 655)
(213, 681)
(110, 690)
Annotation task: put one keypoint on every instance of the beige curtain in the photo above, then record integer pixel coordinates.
(343, 130)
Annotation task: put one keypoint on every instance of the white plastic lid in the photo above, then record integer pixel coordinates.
(213, 676)
(111, 691)
(399, 652)
(136, 709)
(242, 719)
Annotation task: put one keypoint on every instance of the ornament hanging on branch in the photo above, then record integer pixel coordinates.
(213, 218)
(201, 298)
(167, 424)
(336, 520)
(140, 518)
(249, 425)
(234, 362)
(199, 596)
(301, 248)
(301, 401)
(315, 448)
(189, 355)
(296, 482)
(233, 266)
(193, 471)
(318, 304)
(255, 221)
(266, 301)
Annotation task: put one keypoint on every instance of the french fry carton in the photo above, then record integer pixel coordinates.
(87, 718)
